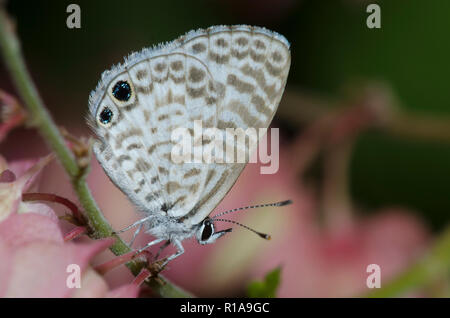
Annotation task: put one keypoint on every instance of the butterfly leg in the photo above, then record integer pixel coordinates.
(150, 244)
(139, 222)
(135, 235)
(180, 251)
(162, 248)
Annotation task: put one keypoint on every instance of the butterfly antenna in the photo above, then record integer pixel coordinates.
(264, 236)
(282, 203)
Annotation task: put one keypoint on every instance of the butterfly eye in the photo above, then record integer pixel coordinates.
(122, 91)
(207, 231)
(105, 116)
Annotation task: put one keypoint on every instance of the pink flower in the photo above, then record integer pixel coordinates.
(315, 260)
(36, 260)
(14, 180)
(34, 257)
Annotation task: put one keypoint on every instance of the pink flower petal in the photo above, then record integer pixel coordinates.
(42, 267)
(22, 229)
(5, 267)
(38, 208)
(9, 199)
(19, 167)
(11, 192)
(37, 259)
(92, 285)
(26, 179)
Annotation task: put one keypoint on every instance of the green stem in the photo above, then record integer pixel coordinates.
(41, 119)
(38, 113)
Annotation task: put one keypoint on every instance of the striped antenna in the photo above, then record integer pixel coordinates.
(282, 203)
(264, 236)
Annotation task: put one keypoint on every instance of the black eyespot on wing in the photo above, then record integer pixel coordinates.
(106, 116)
(122, 91)
(207, 231)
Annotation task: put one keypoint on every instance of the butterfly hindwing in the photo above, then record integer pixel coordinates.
(170, 91)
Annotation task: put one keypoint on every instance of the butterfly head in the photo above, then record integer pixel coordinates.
(206, 232)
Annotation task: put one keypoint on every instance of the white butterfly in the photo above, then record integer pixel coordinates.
(225, 76)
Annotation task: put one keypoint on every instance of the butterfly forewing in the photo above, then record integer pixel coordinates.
(250, 67)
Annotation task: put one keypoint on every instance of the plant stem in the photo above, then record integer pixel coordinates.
(41, 119)
(301, 109)
(38, 113)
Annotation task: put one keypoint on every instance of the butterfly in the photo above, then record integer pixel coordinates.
(223, 76)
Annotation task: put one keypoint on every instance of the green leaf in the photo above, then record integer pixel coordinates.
(266, 288)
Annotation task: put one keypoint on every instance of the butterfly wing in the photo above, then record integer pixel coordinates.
(226, 77)
(250, 66)
(169, 91)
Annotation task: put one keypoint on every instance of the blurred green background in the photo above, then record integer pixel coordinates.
(331, 48)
